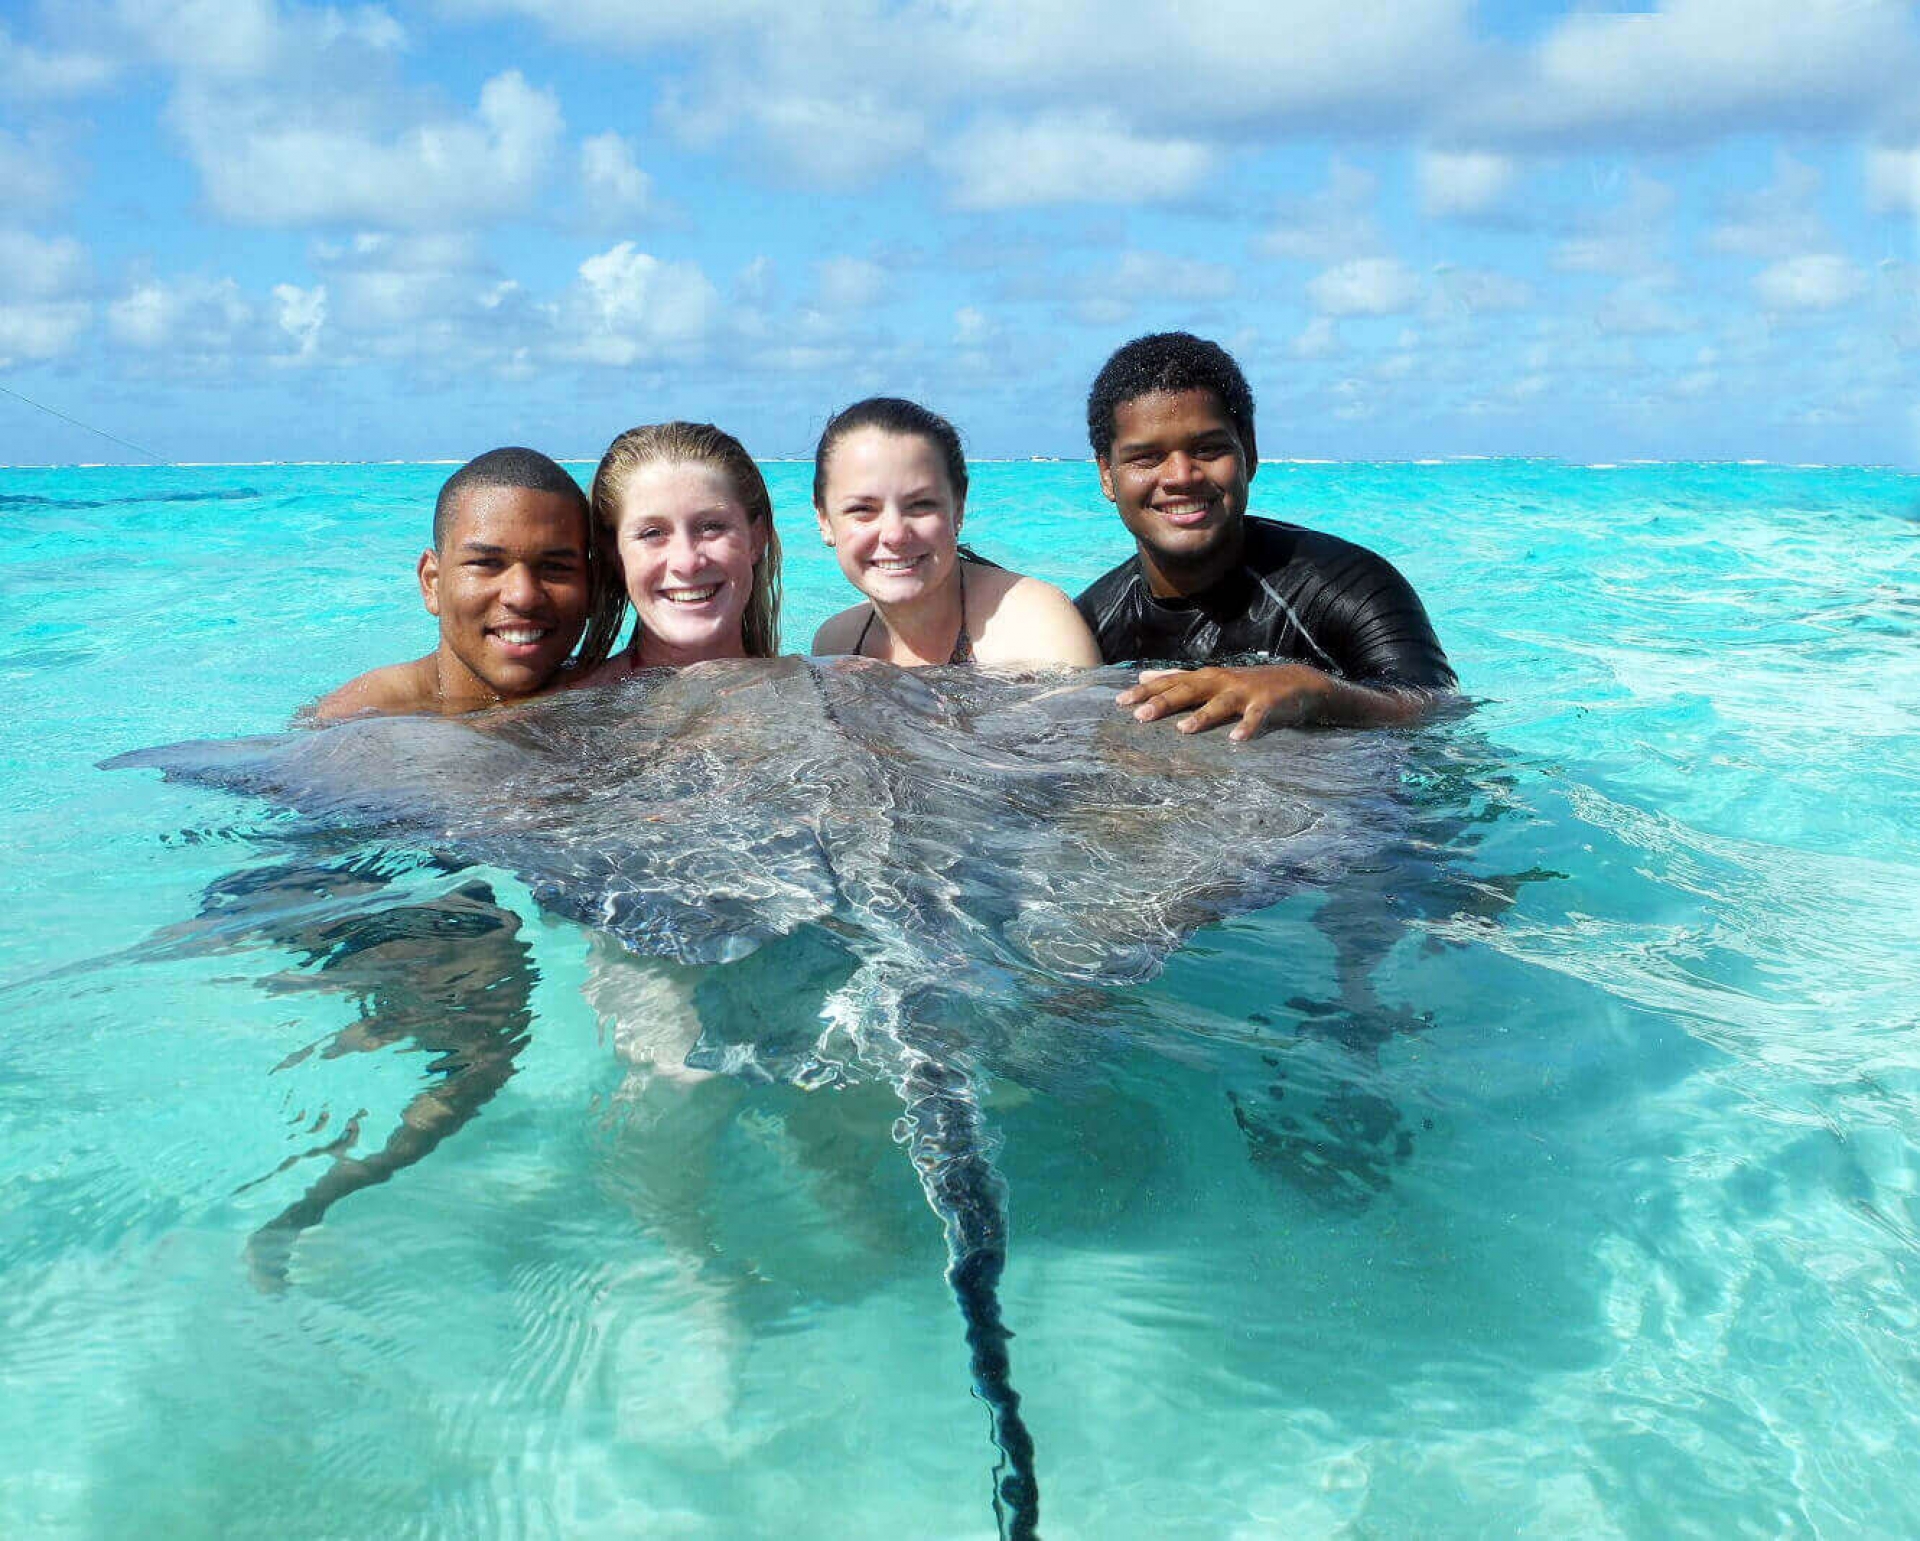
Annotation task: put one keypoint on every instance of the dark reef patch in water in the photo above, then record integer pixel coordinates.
(212, 495)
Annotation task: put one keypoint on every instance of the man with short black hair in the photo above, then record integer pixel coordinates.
(1170, 417)
(508, 577)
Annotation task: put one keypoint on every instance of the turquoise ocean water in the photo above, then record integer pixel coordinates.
(1593, 1207)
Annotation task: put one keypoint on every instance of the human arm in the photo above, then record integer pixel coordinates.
(1270, 695)
(1363, 653)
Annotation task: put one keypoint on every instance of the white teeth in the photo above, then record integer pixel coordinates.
(1180, 510)
(690, 596)
(519, 636)
(896, 564)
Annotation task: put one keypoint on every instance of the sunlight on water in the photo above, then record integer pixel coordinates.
(1552, 1169)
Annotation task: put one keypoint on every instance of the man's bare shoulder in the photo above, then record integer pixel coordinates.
(398, 688)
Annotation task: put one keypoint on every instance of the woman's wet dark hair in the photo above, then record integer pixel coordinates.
(892, 414)
(897, 415)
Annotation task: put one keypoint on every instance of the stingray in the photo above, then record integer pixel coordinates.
(975, 841)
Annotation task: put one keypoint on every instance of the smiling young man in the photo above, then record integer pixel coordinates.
(507, 576)
(1171, 421)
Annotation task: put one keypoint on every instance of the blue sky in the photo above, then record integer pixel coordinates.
(258, 229)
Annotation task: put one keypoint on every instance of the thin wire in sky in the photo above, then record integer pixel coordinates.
(138, 449)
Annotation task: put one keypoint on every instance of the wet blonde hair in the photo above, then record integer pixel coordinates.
(690, 444)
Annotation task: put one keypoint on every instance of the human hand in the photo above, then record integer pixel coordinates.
(1267, 695)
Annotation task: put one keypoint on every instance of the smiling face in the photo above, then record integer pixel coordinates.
(687, 548)
(889, 512)
(509, 584)
(1178, 474)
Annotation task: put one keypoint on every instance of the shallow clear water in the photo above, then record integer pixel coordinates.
(1590, 1202)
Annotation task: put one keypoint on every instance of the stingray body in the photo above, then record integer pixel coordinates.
(974, 840)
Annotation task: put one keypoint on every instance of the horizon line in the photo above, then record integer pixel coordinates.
(1636, 462)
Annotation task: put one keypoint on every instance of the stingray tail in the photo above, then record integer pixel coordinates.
(948, 1141)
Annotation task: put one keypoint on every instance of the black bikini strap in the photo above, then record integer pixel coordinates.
(962, 643)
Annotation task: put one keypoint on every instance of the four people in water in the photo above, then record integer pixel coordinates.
(1290, 625)
(531, 582)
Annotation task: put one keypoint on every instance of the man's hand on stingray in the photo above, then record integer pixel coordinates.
(1268, 695)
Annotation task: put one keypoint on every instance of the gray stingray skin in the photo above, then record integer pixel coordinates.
(970, 837)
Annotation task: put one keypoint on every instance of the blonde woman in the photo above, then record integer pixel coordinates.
(682, 517)
(683, 532)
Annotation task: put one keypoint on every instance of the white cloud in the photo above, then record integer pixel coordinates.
(1696, 384)
(611, 181)
(982, 348)
(1016, 102)
(300, 315)
(1396, 366)
(636, 28)
(839, 142)
(1303, 64)
(410, 252)
(1893, 178)
(1699, 68)
(1110, 294)
(1639, 307)
(35, 268)
(1628, 239)
(211, 326)
(1479, 290)
(267, 165)
(30, 174)
(197, 317)
(1776, 221)
(1300, 62)
(1457, 184)
(1350, 401)
(396, 292)
(1366, 286)
(43, 306)
(1320, 338)
(800, 79)
(630, 307)
(825, 140)
(1330, 225)
(432, 301)
(239, 40)
(38, 331)
(846, 284)
(1819, 281)
(974, 328)
(754, 284)
(39, 74)
(1087, 158)
(1155, 275)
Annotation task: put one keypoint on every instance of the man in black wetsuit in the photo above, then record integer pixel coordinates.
(1340, 636)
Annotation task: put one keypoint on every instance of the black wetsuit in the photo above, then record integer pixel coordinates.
(1297, 595)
